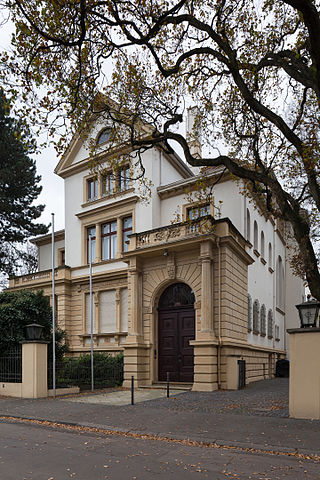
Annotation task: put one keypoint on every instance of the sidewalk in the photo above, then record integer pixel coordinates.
(256, 417)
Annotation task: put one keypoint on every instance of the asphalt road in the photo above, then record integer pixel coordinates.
(34, 452)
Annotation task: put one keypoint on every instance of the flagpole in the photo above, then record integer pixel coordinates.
(53, 314)
(91, 309)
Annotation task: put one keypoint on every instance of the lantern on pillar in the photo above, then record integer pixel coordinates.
(308, 313)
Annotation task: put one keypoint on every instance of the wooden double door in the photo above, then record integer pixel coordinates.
(176, 329)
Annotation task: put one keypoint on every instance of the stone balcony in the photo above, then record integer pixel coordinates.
(37, 278)
(173, 233)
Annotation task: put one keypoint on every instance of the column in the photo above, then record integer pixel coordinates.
(119, 236)
(98, 243)
(206, 288)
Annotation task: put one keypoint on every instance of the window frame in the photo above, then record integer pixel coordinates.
(94, 181)
(100, 134)
(94, 239)
(109, 176)
(110, 234)
(123, 179)
(124, 232)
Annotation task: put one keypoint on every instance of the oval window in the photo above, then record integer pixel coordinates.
(104, 136)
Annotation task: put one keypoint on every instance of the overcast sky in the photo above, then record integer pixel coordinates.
(52, 194)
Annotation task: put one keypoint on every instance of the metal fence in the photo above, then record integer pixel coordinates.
(72, 373)
(11, 365)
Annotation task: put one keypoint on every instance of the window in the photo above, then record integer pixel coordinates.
(255, 235)
(270, 255)
(280, 284)
(91, 231)
(262, 244)
(270, 324)
(107, 311)
(62, 257)
(277, 333)
(104, 136)
(256, 316)
(126, 231)
(92, 189)
(107, 183)
(124, 179)
(249, 313)
(109, 240)
(248, 226)
(263, 320)
(194, 213)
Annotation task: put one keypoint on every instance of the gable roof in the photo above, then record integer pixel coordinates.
(66, 167)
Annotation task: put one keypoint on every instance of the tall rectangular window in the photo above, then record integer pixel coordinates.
(108, 311)
(109, 240)
(107, 184)
(91, 231)
(124, 179)
(92, 189)
(126, 231)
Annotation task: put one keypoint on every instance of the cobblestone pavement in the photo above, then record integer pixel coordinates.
(265, 398)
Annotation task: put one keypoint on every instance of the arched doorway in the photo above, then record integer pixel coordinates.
(176, 327)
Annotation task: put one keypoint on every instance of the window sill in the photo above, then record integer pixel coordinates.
(118, 258)
(255, 332)
(262, 334)
(106, 196)
(270, 270)
(100, 334)
(257, 254)
(279, 310)
(262, 260)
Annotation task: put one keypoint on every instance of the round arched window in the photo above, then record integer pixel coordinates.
(176, 295)
(104, 136)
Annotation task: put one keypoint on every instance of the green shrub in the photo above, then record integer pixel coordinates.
(20, 308)
(107, 370)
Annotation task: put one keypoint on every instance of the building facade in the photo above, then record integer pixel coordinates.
(179, 286)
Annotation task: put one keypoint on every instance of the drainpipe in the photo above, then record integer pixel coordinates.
(219, 315)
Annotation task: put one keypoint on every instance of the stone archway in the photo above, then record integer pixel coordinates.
(176, 327)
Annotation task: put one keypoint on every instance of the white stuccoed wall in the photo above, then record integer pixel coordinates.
(147, 215)
(45, 255)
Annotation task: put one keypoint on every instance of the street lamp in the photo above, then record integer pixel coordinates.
(308, 313)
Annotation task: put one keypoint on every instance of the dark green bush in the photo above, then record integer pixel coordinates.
(108, 371)
(20, 308)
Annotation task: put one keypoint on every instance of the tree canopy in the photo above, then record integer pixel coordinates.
(19, 187)
(251, 68)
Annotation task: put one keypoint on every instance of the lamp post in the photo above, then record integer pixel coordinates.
(309, 313)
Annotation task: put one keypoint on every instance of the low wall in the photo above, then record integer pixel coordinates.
(11, 389)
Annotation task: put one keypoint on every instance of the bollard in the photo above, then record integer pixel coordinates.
(132, 390)
(168, 384)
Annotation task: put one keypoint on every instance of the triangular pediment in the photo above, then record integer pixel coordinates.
(83, 146)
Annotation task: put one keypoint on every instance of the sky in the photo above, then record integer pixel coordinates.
(52, 195)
